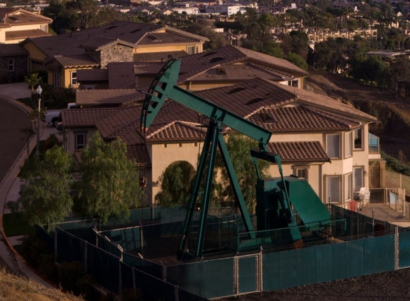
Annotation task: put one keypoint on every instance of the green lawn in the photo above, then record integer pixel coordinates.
(14, 225)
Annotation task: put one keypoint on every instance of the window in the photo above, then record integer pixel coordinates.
(74, 78)
(191, 49)
(11, 65)
(79, 141)
(301, 172)
(348, 144)
(333, 145)
(333, 189)
(293, 83)
(358, 138)
(348, 187)
(357, 178)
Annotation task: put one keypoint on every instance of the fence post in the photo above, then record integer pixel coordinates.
(86, 256)
(260, 270)
(55, 245)
(396, 247)
(236, 275)
(119, 279)
(176, 292)
(400, 180)
(134, 285)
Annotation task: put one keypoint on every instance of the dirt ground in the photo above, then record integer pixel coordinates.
(389, 286)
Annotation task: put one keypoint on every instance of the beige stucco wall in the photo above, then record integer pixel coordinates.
(35, 53)
(163, 156)
(17, 28)
(162, 48)
(69, 140)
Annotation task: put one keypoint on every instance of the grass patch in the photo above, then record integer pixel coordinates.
(27, 101)
(14, 225)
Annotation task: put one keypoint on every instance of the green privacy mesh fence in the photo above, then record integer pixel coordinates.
(48, 238)
(143, 265)
(153, 288)
(208, 279)
(328, 262)
(404, 249)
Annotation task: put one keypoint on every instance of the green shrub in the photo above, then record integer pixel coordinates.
(46, 266)
(73, 278)
(396, 164)
(131, 295)
(51, 141)
(32, 248)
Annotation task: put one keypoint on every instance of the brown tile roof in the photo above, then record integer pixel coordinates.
(121, 76)
(157, 56)
(178, 130)
(306, 151)
(165, 38)
(301, 118)
(78, 60)
(22, 34)
(80, 118)
(107, 96)
(92, 75)
(314, 99)
(18, 17)
(101, 42)
(12, 49)
(139, 153)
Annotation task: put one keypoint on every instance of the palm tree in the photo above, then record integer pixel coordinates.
(32, 80)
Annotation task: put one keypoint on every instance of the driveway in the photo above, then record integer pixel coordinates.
(16, 90)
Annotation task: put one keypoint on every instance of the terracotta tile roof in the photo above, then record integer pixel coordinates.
(314, 99)
(78, 60)
(121, 76)
(107, 96)
(80, 118)
(157, 56)
(305, 151)
(85, 75)
(139, 153)
(165, 38)
(301, 118)
(18, 17)
(22, 34)
(12, 49)
(178, 130)
(101, 42)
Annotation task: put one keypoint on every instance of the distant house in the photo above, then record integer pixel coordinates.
(13, 63)
(17, 24)
(62, 56)
(318, 138)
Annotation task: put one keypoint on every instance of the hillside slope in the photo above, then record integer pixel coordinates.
(393, 114)
(13, 288)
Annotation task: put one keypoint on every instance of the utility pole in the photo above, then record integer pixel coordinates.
(39, 90)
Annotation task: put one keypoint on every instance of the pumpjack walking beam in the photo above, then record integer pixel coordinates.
(163, 87)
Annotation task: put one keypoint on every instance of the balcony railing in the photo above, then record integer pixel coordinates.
(374, 145)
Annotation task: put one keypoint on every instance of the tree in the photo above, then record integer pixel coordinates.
(32, 80)
(110, 181)
(176, 184)
(239, 147)
(297, 60)
(45, 195)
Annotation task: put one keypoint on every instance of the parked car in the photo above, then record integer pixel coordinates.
(53, 116)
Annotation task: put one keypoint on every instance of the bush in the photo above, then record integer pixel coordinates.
(32, 249)
(73, 278)
(131, 295)
(57, 98)
(46, 266)
(51, 141)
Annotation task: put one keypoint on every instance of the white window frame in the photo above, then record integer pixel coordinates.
(361, 169)
(302, 169)
(348, 144)
(293, 83)
(73, 78)
(339, 192)
(188, 49)
(11, 64)
(327, 146)
(361, 138)
(77, 145)
(348, 187)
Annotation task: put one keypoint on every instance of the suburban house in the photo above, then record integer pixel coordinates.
(222, 67)
(13, 63)
(17, 24)
(62, 56)
(318, 138)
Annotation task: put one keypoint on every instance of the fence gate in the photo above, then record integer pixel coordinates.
(247, 274)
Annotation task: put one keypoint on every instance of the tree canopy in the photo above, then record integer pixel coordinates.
(45, 194)
(110, 181)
